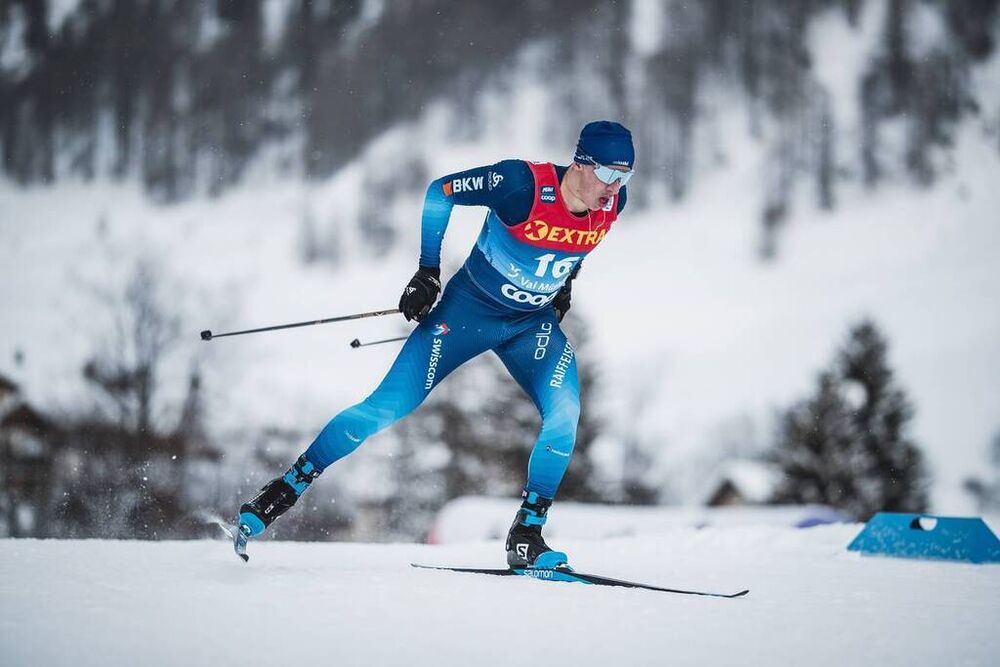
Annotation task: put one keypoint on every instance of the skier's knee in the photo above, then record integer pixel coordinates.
(564, 412)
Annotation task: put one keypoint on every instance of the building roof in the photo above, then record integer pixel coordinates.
(25, 415)
(753, 480)
(6, 384)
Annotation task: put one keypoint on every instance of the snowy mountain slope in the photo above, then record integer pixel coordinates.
(678, 305)
(811, 602)
(681, 310)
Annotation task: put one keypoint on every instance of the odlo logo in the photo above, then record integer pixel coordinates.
(520, 296)
(542, 340)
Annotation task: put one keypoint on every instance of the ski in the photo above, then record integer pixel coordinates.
(240, 537)
(238, 534)
(567, 574)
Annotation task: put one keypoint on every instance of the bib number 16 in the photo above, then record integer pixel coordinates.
(559, 269)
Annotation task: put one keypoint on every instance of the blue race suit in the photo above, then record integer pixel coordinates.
(499, 300)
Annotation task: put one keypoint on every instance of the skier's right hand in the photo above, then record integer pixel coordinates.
(420, 293)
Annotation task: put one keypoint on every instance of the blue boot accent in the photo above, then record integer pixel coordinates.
(300, 475)
(251, 521)
(531, 518)
(549, 560)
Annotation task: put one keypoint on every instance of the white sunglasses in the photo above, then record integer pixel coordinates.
(609, 176)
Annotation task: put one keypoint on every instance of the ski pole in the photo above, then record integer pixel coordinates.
(208, 335)
(358, 343)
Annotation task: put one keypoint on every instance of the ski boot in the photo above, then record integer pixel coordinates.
(525, 546)
(276, 498)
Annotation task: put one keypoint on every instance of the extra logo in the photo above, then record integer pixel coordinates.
(467, 184)
(539, 230)
(440, 330)
(522, 550)
(521, 296)
(548, 194)
(493, 180)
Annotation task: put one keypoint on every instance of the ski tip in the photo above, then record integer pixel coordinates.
(240, 542)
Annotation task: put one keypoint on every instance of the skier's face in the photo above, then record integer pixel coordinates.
(594, 192)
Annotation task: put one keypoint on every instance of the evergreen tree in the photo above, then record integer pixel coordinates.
(847, 446)
(186, 95)
(987, 491)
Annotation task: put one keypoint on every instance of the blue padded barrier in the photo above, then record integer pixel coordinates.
(928, 537)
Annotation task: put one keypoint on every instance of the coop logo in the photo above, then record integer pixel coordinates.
(467, 184)
(539, 230)
(542, 340)
(432, 363)
(440, 329)
(548, 193)
(562, 366)
(520, 296)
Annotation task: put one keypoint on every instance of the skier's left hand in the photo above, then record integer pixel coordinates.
(562, 301)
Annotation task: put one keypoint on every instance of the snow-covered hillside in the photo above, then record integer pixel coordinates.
(683, 313)
(194, 603)
(680, 308)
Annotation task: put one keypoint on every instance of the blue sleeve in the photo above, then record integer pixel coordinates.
(507, 187)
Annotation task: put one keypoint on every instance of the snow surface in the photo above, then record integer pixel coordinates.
(194, 603)
(477, 518)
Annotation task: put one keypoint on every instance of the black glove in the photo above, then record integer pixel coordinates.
(561, 302)
(420, 293)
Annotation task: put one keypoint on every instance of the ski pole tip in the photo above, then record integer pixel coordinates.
(355, 343)
(206, 334)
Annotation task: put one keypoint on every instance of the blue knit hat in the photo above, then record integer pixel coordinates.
(606, 143)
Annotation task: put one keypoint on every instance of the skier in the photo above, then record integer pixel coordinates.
(509, 297)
